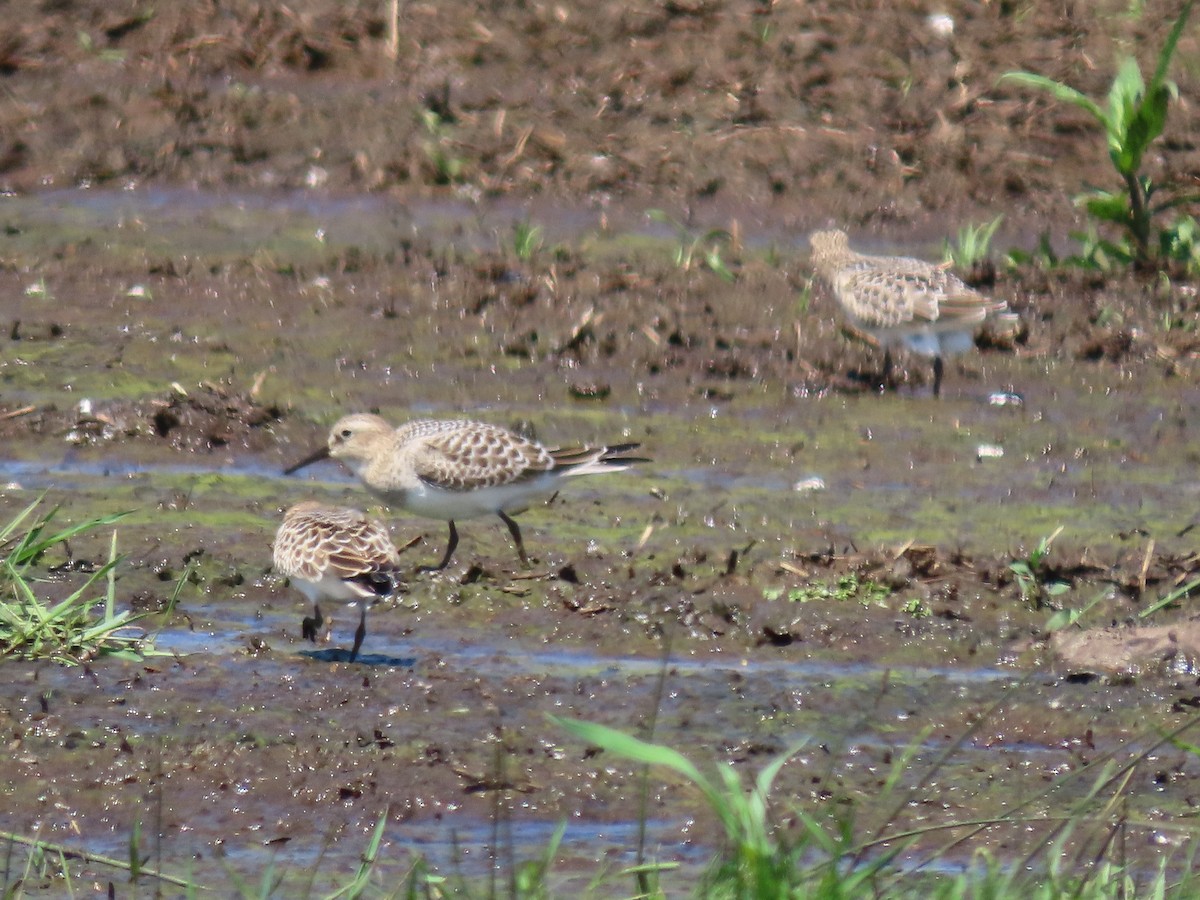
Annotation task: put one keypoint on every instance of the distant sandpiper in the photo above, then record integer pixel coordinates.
(459, 469)
(899, 300)
(336, 553)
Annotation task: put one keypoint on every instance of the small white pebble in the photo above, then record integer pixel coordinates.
(85, 407)
(316, 177)
(988, 451)
(812, 483)
(940, 24)
(138, 291)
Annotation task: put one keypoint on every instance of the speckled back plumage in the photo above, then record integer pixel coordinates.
(466, 456)
(315, 541)
(901, 294)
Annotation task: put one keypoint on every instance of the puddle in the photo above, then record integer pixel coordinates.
(511, 659)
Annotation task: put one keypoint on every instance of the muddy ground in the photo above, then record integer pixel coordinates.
(229, 223)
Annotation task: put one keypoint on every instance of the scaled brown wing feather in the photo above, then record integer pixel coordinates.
(362, 550)
(924, 293)
(949, 297)
(348, 564)
(874, 303)
(466, 460)
(294, 553)
(570, 457)
(968, 306)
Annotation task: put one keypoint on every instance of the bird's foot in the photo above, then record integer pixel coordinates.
(311, 625)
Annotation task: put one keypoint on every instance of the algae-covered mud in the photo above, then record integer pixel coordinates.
(226, 227)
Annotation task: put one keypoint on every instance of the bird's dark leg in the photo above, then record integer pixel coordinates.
(360, 632)
(309, 626)
(938, 369)
(450, 548)
(885, 380)
(515, 530)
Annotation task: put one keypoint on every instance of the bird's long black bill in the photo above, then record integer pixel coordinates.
(315, 456)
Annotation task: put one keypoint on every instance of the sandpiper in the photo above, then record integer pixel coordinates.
(337, 553)
(458, 469)
(900, 300)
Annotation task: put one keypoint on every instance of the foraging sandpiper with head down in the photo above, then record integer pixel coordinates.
(445, 469)
(905, 301)
(336, 553)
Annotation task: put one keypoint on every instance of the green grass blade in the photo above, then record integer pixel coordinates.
(769, 772)
(1059, 91)
(1168, 50)
(110, 595)
(1177, 594)
(633, 748)
(15, 523)
(358, 884)
(135, 853)
(34, 544)
(66, 630)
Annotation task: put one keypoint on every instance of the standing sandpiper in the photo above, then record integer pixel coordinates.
(900, 300)
(336, 553)
(458, 470)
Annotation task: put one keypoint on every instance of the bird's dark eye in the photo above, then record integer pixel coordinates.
(345, 433)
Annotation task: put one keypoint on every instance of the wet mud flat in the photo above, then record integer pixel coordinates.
(820, 566)
(297, 757)
(225, 225)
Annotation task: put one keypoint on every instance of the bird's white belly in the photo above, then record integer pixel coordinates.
(436, 503)
(329, 587)
(928, 339)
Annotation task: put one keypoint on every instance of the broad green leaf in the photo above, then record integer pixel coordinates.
(1106, 206)
(1145, 125)
(1061, 619)
(1149, 121)
(1123, 98)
